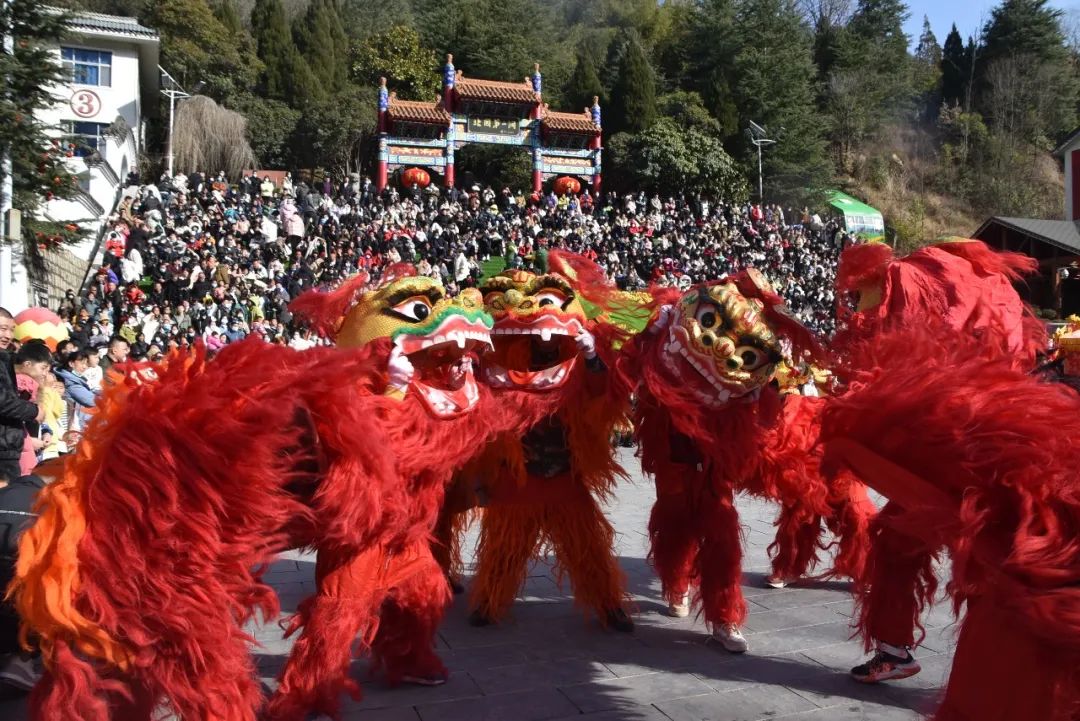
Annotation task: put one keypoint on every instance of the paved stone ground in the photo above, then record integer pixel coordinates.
(546, 663)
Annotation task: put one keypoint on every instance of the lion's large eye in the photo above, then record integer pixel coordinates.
(417, 308)
(752, 358)
(549, 297)
(492, 296)
(706, 316)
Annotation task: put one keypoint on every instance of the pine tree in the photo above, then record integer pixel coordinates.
(928, 51)
(196, 45)
(37, 153)
(927, 72)
(584, 83)
(1024, 27)
(225, 11)
(874, 44)
(712, 45)
(955, 69)
(321, 40)
(286, 76)
(633, 97)
(776, 88)
(1024, 38)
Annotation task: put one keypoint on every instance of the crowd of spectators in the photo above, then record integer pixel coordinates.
(195, 257)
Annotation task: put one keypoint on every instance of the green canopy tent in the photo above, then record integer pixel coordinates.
(859, 218)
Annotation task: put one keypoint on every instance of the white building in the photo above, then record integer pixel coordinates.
(112, 64)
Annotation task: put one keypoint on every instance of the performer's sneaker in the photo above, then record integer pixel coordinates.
(777, 581)
(680, 609)
(731, 638)
(425, 680)
(885, 666)
(619, 620)
(21, 671)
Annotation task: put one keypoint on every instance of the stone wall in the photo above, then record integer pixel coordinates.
(52, 272)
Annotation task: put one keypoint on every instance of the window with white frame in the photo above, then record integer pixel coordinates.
(87, 67)
(86, 137)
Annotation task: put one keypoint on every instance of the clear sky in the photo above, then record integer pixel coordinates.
(969, 15)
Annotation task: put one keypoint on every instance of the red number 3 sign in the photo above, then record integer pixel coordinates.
(85, 103)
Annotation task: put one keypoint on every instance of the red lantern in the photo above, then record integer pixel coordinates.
(566, 184)
(415, 176)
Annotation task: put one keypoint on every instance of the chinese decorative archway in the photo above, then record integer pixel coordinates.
(427, 134)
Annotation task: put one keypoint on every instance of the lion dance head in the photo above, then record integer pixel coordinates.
(537, 319)
(441, 336)
(723, 338)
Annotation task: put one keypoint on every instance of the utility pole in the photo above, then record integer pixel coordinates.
(757, 134)
(172, 90)
(7, 182)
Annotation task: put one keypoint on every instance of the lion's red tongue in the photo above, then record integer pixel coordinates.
(523, 378)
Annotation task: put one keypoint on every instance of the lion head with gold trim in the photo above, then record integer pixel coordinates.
(537, 320)
(724, 338)
(440, 336)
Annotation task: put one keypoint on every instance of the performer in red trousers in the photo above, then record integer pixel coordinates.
(710, 423)
(978, 458)
(963, 291)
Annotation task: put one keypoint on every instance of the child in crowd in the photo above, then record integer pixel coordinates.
(31, 367)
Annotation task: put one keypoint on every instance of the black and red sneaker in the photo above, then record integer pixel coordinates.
(885, 666)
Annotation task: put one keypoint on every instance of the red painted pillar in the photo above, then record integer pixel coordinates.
(448, 177)
(596, 185)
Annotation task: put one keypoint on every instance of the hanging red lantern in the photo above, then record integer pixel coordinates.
(566, 184)
(415, 176)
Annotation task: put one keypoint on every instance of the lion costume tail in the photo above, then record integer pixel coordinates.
(145, 559)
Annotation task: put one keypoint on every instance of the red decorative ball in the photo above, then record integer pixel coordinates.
(415, 176)
(566, 184)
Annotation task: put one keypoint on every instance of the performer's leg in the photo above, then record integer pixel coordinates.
(853, 512)
(720, 566)
(902, 583)
(584, 542)
(673, 547)
(220, 685)
(794, 550)
(140, 706)
(404, 647)
(317, 671)
(1002, 671)
(453, 521)
(509, 534)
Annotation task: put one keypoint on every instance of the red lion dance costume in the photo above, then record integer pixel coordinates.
(975, 456)
(710, 423)
(542, 488)
(147, 557)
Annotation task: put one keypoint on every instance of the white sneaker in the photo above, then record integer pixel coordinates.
(774, 581)
(680, 609)
(424, 680)
(731, 638)
(21, 671)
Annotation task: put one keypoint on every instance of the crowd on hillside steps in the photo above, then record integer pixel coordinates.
(197, 257)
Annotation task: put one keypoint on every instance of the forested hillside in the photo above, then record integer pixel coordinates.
(938, 133)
